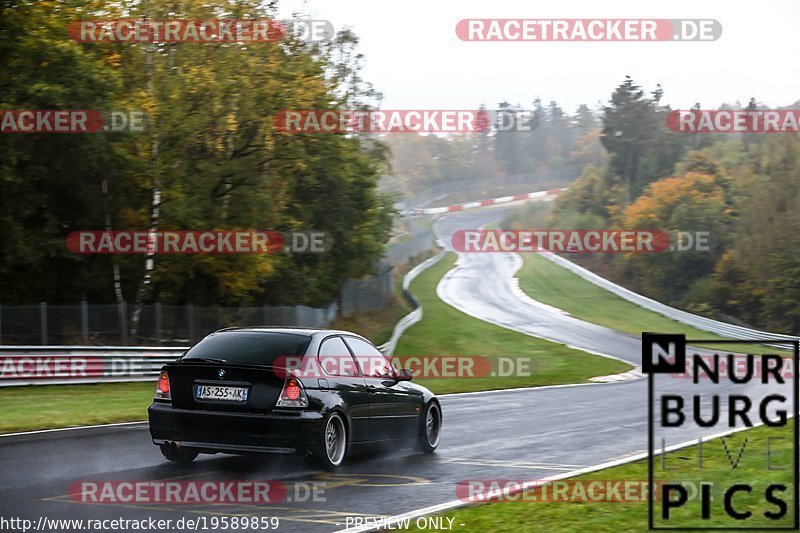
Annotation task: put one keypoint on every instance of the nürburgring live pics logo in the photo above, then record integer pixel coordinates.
(742, 480)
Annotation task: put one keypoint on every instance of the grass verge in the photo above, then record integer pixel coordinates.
(445, 330)
(54, 406)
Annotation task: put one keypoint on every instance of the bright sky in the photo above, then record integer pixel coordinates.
(414, 57)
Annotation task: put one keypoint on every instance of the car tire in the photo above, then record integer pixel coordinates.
(430, 427)
(178, 455)
(332, 449)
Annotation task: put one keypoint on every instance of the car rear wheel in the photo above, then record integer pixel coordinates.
(332, 450)
(178, 455)
(431, 428)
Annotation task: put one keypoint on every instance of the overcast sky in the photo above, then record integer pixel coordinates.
(414, 57)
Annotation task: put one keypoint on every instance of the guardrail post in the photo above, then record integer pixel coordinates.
(266, 314)
(158, 323)
(85, 321)
(190, 311)
(43, 321)
(123, 321)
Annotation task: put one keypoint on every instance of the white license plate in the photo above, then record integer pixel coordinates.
(215, 392)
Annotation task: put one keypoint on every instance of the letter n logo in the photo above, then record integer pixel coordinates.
(663, 353)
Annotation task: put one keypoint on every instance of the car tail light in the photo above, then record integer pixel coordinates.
(162, 390)
(293, 394)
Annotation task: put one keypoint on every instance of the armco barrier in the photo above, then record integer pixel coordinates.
(62, 365)
(538, 195)
(706, 324)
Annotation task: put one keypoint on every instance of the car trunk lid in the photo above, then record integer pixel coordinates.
(261, 383)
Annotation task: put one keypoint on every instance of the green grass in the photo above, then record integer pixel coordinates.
(445, 330)
(525, 514)
(554, 285)
(55, 406)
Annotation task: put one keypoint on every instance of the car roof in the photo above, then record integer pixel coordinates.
(310, 332)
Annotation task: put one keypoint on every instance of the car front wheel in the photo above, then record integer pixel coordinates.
(431, 428)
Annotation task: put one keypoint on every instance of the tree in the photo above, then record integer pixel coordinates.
(640, 146)
(690, 203)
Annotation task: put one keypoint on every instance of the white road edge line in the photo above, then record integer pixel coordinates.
(71, 428)
(454, 504)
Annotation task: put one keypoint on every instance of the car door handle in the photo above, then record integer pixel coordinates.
(371, 389)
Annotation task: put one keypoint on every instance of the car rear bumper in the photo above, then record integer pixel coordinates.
(224, 431)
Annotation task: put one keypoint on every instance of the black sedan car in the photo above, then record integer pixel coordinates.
(323, 392)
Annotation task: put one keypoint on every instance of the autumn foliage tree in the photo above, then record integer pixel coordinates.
(209, 158)
(693, 204)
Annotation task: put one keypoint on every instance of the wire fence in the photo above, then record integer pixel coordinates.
(176, 325)
(403, 252)
(158, 324)
(360, 296)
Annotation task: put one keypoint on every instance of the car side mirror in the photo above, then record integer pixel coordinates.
(404, 375)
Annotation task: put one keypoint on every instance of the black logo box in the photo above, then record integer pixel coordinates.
(678, 365)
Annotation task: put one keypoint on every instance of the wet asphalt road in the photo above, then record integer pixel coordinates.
(524, 434)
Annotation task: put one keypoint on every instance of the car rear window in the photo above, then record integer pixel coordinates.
(249, 347)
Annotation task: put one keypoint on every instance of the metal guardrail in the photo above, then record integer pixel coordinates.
(62, 365)
(700, 322)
